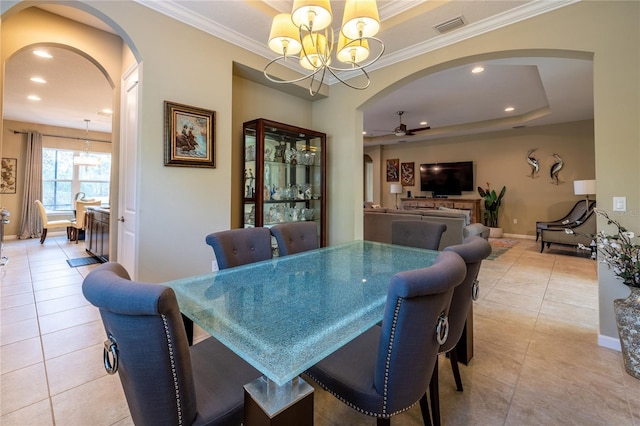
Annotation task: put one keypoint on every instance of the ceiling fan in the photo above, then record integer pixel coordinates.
(402, 130)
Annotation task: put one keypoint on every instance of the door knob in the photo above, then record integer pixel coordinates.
(121, 219)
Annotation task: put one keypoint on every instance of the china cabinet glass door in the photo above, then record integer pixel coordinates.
(284, 175)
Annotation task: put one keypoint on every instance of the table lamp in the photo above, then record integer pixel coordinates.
(396, 188)
(584, 187)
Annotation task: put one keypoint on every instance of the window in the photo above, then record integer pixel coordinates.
(61, 180)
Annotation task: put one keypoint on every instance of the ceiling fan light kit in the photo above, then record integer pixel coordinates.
(307, 30)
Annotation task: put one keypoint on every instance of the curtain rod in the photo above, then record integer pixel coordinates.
(64, 137)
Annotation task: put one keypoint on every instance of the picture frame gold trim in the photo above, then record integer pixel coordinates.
(189, 136)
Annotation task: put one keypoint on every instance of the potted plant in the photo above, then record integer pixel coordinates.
(622, 255)
(492, 202)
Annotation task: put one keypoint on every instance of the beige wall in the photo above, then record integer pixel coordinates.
(500, 159)
(251, 101)
(179, 206)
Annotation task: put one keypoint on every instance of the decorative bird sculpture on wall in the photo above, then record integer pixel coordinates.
(555, 169)
(534, 163)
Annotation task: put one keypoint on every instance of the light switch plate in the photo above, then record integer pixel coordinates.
(619, 204)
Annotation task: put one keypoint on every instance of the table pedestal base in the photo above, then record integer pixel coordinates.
(266, 403)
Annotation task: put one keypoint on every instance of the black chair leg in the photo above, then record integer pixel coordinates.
(424, 407)
(434, 395)
(383, 422)
(453, 357)
(43, 236)
(188, 327)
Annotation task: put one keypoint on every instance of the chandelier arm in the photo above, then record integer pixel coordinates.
(355, 65)
(321, 80)
(364, 72)
(279, 81)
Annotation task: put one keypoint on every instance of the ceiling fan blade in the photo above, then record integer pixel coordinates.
(411, 132)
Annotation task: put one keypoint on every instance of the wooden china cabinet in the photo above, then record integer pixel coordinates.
(284, 175)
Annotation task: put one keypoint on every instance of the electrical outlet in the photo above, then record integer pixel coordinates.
(515, 221)
(619, 204)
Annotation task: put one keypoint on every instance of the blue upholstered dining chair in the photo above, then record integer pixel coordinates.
(473, 251)
(165, 381)
(378, 373)
(295, 237)
(237, 247)
(417, 233)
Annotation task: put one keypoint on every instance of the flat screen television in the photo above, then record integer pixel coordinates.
(446, 178)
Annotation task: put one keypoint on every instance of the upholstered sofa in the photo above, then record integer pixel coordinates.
(571, 234)
(377, 224)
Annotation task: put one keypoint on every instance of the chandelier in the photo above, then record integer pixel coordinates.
(85, 158)
(307, 30)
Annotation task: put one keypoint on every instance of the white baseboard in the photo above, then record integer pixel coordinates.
(609, 342)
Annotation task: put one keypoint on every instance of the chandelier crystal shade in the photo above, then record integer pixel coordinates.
(307, 31)
(85, 158)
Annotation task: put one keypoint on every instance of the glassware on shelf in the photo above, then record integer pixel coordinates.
(250, 153)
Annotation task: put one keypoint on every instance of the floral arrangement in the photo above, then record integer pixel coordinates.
(618, 251)
(492, 203)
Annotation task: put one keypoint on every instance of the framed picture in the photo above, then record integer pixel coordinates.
(407, 174)
(8, 174)
(189, 136)
(393, 174)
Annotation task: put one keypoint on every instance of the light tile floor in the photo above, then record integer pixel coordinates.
(536, 357)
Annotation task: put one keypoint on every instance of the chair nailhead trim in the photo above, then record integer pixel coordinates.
(176, 384)
(384, 414)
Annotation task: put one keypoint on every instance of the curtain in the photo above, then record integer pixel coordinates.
(30, 221)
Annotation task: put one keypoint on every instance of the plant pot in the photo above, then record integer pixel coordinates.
(495, 232)
(628, 322)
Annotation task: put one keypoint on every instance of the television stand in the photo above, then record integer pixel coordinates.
(440, 196)
(471, 204)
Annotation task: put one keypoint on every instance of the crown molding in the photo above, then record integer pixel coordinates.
(174, 10)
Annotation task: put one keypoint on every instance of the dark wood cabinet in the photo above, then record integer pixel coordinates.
(97, 232)
(284, 175)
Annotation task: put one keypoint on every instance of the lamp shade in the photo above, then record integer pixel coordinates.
(314, 14)
(350, 51)
(284, 37)
(396, 188)
(360, 19)
(315, 53)
(584, 187)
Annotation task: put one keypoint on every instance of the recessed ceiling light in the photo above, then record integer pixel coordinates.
(364, 132)
(38, 80)
(509, 109)
(107, 111)
(42, 54)
(33, 98)
(423, 123)
(477, 70)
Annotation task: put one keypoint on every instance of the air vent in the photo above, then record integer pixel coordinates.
(451, 24)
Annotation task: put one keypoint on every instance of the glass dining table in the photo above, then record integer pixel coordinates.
(285, 314)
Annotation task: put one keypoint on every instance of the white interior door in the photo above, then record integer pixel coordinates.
(127, 199)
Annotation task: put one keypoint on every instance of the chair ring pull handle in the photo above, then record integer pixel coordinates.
(110, 355)
(475, 290)
(442, 329)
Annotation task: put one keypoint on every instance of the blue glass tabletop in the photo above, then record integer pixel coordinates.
(286, 314)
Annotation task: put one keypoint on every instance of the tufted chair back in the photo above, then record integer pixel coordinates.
(417, 233)
(295, 237)
(237, 247)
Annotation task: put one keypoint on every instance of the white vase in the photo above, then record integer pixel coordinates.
(495, 232)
